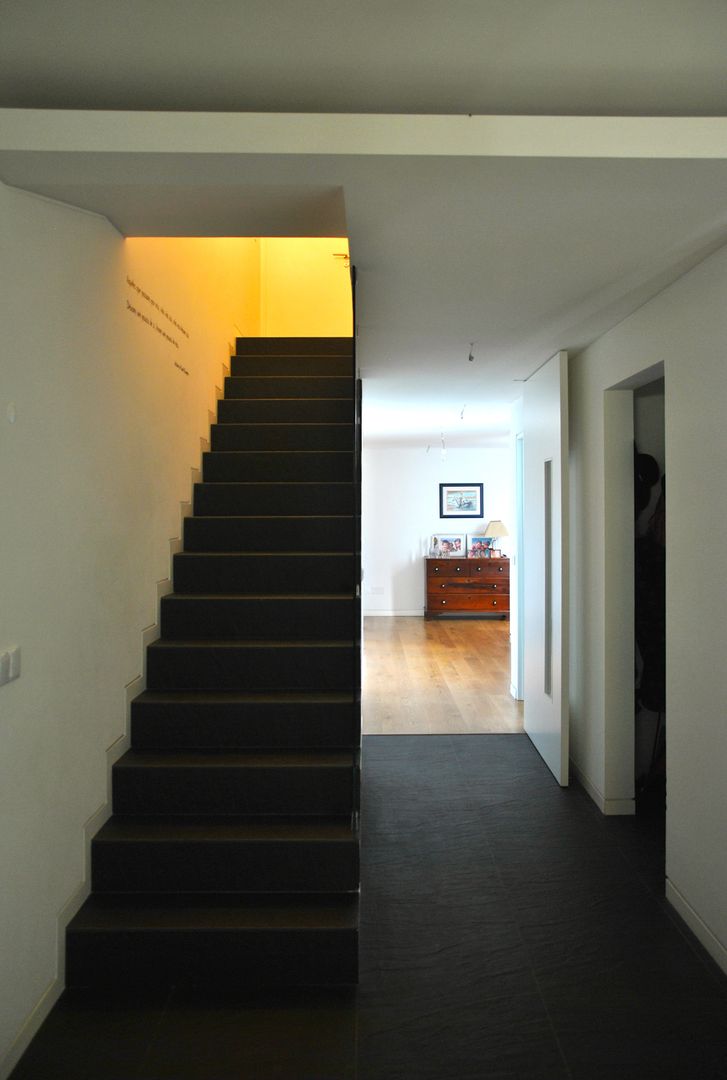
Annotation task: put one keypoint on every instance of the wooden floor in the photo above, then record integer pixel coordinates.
(437, 677)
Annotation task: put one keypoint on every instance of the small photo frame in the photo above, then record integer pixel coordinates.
(460, 500)
(479, 547)
(447, 546)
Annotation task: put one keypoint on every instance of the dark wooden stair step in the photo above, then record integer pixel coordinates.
(148, 782)
(292, 618)
(309, 410)
(226, 941)
(235, 720)
(226, 532)
(218, 855)
(285, 346)
(276, 465)
(274, 499)
(252, 665)
(281, 436)
(253, 573)
(288, 386)
(293, 364)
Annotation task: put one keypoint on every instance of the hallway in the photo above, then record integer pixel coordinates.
(437, 677)
(509, 932)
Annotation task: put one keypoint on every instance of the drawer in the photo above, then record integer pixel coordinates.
(467, 584)
(468, 601)
(492, 569)
(450, 568)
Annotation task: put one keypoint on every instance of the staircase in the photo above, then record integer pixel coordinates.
(232, 853)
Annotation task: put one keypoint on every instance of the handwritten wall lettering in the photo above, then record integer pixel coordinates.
(153, 304)
(150, 322)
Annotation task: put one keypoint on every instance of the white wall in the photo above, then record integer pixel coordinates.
(400, 511)
(92, 473)
(685, 327)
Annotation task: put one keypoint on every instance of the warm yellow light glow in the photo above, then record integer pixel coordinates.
(278, 286)
(305, 287)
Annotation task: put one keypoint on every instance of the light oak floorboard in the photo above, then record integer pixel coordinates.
(437, 677)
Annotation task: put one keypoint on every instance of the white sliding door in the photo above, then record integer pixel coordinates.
(545, 426)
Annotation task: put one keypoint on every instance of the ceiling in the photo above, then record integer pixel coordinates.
(520, 255)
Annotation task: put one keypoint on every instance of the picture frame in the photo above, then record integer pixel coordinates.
(460, 501)
(447, 546)
(479, 547)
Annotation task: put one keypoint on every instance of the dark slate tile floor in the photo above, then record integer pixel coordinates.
(509, 932)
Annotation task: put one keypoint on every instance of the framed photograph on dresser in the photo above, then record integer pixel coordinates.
(446, 545)
(479, 547)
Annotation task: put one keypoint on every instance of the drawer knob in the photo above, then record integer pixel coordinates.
(494, 603)
(436, 569)
(458, 568)
(444, 601)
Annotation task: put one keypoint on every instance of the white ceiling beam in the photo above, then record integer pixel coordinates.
(50, 130)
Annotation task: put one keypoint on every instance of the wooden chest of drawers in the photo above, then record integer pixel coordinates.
(474, 587)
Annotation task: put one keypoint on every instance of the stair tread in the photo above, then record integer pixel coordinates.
(247, 644)
(263, 759)
(289, 423)
(239, 697)
(265, 452)
(243, 597)
(271, 517)
(188, 911)
(212, 829)
(275, 483)
(257, 554)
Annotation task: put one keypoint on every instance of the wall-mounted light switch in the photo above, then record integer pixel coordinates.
(9, 665)
(15, 662)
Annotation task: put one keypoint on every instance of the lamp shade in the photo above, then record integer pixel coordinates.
(495, 528)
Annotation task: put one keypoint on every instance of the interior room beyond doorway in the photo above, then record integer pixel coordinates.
(432, 677)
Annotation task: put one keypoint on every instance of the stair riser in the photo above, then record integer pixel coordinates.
(254, 575)
(220, 866)
(285, 411)
(263, 534)
(287, 386)
(233, 726)
(230, 959)
(298, 346)
(277, 466)
(269, 620)
(227, 789)
(282, 436)
(274, 499)
(255, 669)
(292, 365)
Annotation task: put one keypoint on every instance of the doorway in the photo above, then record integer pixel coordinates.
(650, 593)
(634, 407)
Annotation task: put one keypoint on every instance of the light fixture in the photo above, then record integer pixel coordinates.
(471, 356)
(495, 529)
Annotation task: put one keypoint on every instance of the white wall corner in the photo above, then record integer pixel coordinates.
(608, 807)
(699, 928)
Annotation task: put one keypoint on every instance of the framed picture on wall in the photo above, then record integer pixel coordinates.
(447, 545)
(460, 500)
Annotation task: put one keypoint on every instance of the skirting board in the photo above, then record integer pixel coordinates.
(701, 931)
(608, 807)
(417, 612)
